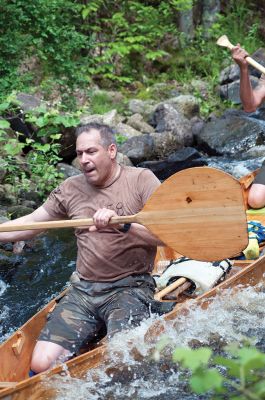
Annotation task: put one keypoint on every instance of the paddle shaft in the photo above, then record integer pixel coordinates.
(158, 296)
(73, 223)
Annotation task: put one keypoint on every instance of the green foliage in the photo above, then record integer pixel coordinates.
(101, 103)
(38, 167)
(42, 161)
(244, 377)
(51, 121)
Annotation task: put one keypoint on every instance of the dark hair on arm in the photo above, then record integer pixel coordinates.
(106, 133)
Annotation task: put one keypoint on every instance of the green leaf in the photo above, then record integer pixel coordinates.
(4, 106)
(192, 359)
(4, 124)
(232, 365)
(203, 381)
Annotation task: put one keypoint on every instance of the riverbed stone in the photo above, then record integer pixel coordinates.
(137, 122)
(187, 105)
(138, 148)
(68, 170)
(126, 130)
(231, 91)
(123, 159)
(145, 108)
(6, 198)
(112, 118)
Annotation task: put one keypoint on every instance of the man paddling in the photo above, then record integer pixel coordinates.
(113, 287)
(251, 99)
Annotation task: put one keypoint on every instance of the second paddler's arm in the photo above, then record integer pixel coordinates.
(39, 215)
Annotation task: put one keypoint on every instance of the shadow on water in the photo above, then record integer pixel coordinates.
(36, 276)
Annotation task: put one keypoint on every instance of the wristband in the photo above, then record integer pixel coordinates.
(125, 228)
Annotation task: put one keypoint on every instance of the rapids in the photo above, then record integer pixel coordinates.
(133, 370)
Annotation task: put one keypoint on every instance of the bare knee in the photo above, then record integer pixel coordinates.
(256, 196)
(45, 354)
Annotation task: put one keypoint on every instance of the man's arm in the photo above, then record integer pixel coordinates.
(39, 215)
(251, 98)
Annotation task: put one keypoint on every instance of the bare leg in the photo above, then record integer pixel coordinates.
(256, 196)
(45, 354)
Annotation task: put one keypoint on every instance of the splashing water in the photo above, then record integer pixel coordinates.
(3, 287)
(130, 371)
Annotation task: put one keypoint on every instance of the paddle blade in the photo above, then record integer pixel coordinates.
(224, 42)
(199, 212)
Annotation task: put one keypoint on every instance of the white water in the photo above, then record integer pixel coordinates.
(3, 287)
(132, 373)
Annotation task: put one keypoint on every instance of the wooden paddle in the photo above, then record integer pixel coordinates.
(199, 212)
(224, 42)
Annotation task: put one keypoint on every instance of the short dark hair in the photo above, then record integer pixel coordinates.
(107, 135)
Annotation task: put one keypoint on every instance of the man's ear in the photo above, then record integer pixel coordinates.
(112, 149)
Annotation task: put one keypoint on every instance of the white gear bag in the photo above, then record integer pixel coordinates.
(204, 275)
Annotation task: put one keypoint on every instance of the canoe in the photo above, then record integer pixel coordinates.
(15, 353)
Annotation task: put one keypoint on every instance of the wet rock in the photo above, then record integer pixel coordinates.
(8, 265)
(182, 159)
(231, 135)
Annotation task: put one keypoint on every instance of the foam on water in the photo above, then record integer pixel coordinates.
(130, 371)
(3, 287)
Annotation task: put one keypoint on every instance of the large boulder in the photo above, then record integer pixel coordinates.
(172, 130)
(231, 135)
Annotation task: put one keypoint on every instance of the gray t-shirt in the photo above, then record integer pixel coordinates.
(108, 254)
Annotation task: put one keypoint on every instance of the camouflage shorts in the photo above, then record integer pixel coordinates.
(90, 307)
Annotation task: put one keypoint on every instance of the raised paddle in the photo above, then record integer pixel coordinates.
(224, 42)
(199, 212)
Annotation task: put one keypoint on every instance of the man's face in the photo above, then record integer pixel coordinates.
(96, 161)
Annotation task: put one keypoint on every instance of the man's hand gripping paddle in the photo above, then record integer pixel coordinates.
(223, 41)
(198, 212)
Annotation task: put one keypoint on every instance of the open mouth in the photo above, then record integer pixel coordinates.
(88, 171)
